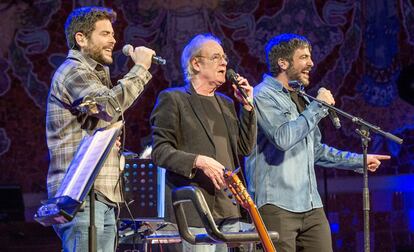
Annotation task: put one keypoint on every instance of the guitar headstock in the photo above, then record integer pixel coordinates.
(237, 188)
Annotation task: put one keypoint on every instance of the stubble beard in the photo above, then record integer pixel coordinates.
(96, 53)
(293, 74)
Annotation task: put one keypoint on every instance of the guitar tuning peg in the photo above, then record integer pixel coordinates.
(230, 195)
(234, 202)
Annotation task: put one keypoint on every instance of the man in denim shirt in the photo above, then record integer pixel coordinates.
(280, 171)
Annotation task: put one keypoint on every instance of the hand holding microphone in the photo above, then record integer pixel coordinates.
(326, 96)
(242, 86)
(142, 56)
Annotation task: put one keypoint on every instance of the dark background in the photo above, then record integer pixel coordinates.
(362, 49)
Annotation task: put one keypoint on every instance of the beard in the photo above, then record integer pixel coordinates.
(294, 74)
(96, 53)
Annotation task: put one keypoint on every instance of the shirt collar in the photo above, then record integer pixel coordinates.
(93, 64)
(273, 83)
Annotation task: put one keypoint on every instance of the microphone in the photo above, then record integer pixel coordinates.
(335, 119)
(155, 59)
(296, 85)
(231, 75)
(332, 114)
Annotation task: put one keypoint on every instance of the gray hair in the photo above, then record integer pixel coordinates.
(191, 50)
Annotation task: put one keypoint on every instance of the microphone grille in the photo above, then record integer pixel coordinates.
(230, 74)
(126, 48)
(295, 84)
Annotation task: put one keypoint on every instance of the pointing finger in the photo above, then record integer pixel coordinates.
(382, 157)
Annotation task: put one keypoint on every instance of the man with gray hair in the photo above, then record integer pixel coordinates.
(197, 133)
(90, 38)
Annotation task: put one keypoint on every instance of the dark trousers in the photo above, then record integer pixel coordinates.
(307, 232)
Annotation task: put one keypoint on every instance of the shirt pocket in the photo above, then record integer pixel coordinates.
(290, 115)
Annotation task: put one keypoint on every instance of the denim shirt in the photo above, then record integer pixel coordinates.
(280, 171)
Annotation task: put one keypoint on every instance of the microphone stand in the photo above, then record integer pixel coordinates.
(92, 228)
(364, 132)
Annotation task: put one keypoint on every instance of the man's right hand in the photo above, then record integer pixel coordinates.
(142, 56)
(213, 169)
(326, 96)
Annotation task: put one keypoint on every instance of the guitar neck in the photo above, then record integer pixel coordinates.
(261, 229)
(239, 191)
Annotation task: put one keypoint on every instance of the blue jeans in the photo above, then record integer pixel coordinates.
(230, 225)
(74, 234)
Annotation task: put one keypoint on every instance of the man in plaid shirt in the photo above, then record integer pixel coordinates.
(90, 37)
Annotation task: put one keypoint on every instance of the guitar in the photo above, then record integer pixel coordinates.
(242, 196)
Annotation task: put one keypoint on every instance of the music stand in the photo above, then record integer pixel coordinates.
(141, 189)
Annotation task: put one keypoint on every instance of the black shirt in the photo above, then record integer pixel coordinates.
(223, 206)
(298, 100)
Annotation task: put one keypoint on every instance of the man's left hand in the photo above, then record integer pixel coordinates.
(244, 84)
(374, 161)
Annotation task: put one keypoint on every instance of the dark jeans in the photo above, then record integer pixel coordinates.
(307, 232)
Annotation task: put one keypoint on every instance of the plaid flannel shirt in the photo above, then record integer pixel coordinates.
(77, 77)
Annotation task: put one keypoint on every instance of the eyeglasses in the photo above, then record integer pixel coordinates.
(216, 58)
